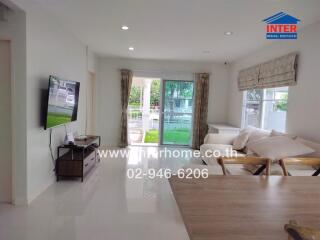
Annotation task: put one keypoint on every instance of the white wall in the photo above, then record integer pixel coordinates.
(14, 29)
(108, 89)
(51, 49)
(5, 123)
(303, 116)
(92, 61)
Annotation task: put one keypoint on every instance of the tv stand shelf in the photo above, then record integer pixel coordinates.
(79, 158)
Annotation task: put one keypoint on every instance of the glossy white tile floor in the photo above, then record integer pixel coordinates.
(107, 205)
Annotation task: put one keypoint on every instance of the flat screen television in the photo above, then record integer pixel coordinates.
(62, 107)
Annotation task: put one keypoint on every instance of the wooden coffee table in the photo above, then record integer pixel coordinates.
(246, 207)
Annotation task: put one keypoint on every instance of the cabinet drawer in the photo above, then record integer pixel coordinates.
(89, 162)
(69, 168)
(91, 158)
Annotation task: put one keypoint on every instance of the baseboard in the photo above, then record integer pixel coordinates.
(20, 202)
(32, 197)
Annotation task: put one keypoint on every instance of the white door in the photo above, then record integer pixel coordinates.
(91, 104)
(5, 123)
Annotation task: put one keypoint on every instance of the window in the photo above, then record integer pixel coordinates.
(266, 108)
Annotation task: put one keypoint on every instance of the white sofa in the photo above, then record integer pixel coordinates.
(224, 142)
(220, 143)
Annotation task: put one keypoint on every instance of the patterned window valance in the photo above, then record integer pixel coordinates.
(278, 72)
(248, 78)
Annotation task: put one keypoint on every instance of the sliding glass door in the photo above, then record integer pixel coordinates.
(177, 112)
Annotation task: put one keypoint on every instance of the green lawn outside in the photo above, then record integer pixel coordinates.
(174, 136)
(55, 119)
(151, 136)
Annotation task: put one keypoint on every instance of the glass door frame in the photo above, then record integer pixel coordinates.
(161, 118)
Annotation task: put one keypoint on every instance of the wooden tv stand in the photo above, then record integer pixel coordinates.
(78, 159)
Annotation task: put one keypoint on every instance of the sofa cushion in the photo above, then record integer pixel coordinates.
(210, 152)
(275, 133)
(219, 138)
(207, 150)
(241, 140)
(216, 147)
(314, 145)
(276, 148)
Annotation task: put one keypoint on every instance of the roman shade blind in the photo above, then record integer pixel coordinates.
(248, 78)
(278, 72)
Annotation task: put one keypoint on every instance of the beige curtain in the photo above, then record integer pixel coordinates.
(126, 81)
(200, 127)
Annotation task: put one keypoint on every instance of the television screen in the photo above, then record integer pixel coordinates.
(63, 96)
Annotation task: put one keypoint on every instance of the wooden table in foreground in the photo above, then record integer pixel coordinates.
(246, 207)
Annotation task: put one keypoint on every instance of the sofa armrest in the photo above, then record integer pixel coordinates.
(214, 138)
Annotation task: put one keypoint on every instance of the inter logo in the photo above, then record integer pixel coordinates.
(281, 26)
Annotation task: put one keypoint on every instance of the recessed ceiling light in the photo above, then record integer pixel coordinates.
(124, 27)
(131, 48)
(228, 33)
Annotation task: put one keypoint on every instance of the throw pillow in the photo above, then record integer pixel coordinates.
(241, 140)
(275, 133)
(257, 133)
(276, 148)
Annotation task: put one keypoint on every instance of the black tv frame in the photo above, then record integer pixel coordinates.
(76, 105)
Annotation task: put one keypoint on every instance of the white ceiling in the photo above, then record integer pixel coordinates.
(176, 29)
